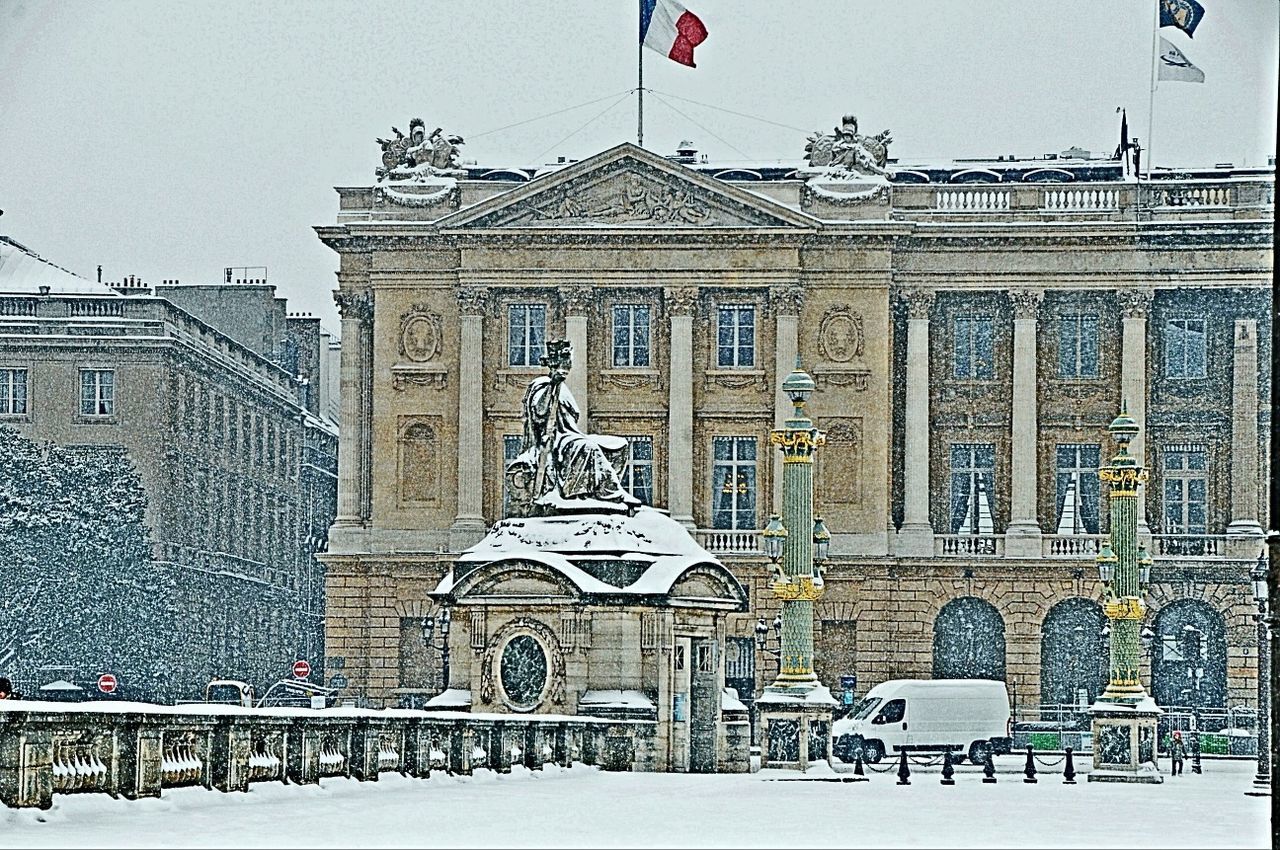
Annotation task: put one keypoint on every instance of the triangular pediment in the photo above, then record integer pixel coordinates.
(627, 187)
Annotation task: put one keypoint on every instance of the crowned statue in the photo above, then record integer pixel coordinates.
(561, 469)
(419, 155)
(845, 150)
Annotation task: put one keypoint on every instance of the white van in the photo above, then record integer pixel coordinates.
(969, 717)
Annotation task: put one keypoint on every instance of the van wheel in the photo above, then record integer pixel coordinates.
(873, 752)
(978, 752)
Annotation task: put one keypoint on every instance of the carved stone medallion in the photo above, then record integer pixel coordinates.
(420, 334)
(840, 337)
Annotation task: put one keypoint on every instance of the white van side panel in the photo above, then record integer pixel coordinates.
(939, 712)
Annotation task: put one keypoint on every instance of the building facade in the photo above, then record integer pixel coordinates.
(972, 331)
(238, 466)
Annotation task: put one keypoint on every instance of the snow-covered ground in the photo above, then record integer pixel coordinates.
(584, 807)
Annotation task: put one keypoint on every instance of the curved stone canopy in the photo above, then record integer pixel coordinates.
(646, 555)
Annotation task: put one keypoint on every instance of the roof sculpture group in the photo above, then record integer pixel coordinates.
(844, 152)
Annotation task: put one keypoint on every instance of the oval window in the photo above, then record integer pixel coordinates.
(524, 671)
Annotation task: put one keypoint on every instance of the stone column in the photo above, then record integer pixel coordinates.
(468, 525)
(786, 302)
(356, 309)
(915, 537)
(577, 303)
(1135, 305)
(1022, 537)
(1244, 534)
(682, 303)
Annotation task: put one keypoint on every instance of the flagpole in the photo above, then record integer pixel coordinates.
(1151, 99)
(640, 84)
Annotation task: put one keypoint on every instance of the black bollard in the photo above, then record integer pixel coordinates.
(858, 775)
(947, 770)
(989, 769)
(1195, 752)
(904, 772)
(1069, 772)
(1030, 769)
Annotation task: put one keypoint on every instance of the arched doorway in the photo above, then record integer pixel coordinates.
(1189, 656)
(1073, 656)
(968, 640)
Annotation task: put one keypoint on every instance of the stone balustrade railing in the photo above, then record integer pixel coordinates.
(136, 750)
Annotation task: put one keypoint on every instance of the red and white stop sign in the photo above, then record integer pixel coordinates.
(301, 669)
(107, 683)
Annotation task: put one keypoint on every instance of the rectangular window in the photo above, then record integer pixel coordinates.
(736, 336)
(1078, 347)
(733, 483)
(630, 335)
(1186, 488)
(97, 392)
(972, 480)
(1077, 488)
(13, 392)
(526, 334)
(706, 658)
(974, 353)
(637, 478)
(511, 444)
(1184, 348)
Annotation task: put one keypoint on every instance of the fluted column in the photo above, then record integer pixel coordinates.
(468, 525)
(356, 310)
(915, 537)
(577, 307)
(682, 303)
(1135, 305)
(1244, 533)
(1022, 537)
(786, 302)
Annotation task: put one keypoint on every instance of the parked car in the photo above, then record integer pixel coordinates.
(968, 717)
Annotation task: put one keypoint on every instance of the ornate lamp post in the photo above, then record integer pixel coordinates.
(429, 624)
(1262, 779)
(1124, 716)
(795, 711)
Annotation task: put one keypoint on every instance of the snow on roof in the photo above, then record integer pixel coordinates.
(729, 700)
(817, 695)
(647, 531)
(615, 699)
(450, 698)
(23, 272)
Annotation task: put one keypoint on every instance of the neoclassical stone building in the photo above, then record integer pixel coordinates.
(972, 332)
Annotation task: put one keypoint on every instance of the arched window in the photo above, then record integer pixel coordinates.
(1073, 658)
(1189, 656)
(968, 640)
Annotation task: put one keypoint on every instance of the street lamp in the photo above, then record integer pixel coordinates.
(762, 636)
(1262, 779)
(429, 625)
(1192, 643)
(796, 709)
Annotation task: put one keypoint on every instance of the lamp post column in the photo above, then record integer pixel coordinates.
(796, 710)
(1124, 717)
(1262, 779)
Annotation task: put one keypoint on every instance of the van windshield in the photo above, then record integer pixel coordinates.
(863, 710)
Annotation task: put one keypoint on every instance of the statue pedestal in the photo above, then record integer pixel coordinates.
(1124, 741)
(795, 725)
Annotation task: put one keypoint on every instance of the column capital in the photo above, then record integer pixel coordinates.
(786, 299)
(918, 301)
(578, 300)
(473, 300)
(1135, 303)
(681, 300)
(1026, 302)
(354, 304)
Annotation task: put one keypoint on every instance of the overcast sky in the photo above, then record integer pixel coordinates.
(169, 140)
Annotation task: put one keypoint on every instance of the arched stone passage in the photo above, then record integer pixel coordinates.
(968, 640)
(1073, 658)
(1189, 656)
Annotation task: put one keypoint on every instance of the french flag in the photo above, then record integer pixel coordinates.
(671, 29)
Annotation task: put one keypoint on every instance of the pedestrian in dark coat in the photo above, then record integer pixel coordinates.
(1177, 752)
